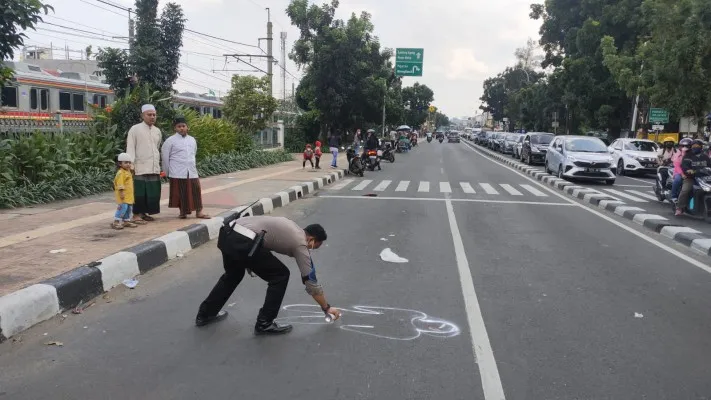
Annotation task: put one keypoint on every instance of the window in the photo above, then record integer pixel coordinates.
(71, 101)
(9, 97)
(99, 100)
(216, 113)
(543, 140)
(39, 99)
(639, 145)
(586, 146)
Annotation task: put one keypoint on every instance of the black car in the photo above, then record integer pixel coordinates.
(453, 137)
(535, 146)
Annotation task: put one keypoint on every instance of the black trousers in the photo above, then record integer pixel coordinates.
(265, 265)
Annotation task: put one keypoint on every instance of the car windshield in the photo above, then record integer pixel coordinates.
(520, 139)
(455, 134)
(585, 146)
(511, 138)
(639, 145)
(542, 139)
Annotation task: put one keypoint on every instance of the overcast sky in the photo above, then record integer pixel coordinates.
(465, 41)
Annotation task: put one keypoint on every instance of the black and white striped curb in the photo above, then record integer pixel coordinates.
(29, 306)
(684, 235)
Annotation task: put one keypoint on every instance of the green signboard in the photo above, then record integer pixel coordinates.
(659, 115)
(408, 62)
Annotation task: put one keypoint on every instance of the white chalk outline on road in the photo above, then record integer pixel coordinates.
(424, 186)
(467, 188)
(625, 195)
(619, 224)
(362, 184)
(382, 186)
(488, 188)
(488, 370)
(641, 194)
(342, 184)
(533, 190)
(445, 187)
(510, 189)
(402, 186)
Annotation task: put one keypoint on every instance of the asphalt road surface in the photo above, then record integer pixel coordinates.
(511, 290)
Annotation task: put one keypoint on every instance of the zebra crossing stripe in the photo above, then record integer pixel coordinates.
(641, 194)
(625, 195)
(382, 186)
(342, 184)
(444, 187)
(402, 186)
(424, 187)
(467, 188)
(488, 188)
(534, 191)
(362, 184)
(510, 189)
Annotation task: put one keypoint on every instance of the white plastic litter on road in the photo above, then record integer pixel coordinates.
(389, 256)
(57, 251)
(130, 283)
(384, 239)
(638, 315)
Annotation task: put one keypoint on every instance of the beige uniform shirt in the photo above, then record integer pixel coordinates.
(143, 144)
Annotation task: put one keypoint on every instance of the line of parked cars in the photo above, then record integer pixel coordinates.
(575, 157)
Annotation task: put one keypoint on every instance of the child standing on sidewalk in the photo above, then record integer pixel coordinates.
(308, 156)
(318, 154)
(123, 190)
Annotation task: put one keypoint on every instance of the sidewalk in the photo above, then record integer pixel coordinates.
(37, 243)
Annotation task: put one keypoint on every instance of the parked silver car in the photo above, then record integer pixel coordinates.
(580, 157)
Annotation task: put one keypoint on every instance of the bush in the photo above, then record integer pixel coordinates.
(236, 161)
(215, 136)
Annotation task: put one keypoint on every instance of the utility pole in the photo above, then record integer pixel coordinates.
(270, 54)
(131, 27)
(283, 65)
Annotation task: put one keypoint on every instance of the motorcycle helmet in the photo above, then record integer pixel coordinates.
(668, 142)
(685, 142)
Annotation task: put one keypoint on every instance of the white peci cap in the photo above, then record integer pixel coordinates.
(147, 107)
(125, 157)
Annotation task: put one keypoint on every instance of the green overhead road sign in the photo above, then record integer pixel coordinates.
(659, 115)
(408, 62)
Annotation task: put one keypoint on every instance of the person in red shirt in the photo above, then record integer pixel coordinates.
(308, 156)
(318, 153)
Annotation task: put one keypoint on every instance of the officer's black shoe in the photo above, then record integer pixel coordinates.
(202, 321)
(270, 328)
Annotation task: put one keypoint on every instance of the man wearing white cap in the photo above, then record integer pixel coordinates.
(143, 145)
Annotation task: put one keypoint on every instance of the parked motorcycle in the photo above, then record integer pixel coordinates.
(388, 152)
(372, 160)
(355, 165)
(699, 205)
(429, 139)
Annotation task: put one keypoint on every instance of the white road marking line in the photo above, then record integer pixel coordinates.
(441, 170)
(536, 203)
(639, 180)
(619, 224)
(382, 186)
(424, 187)
(467, 188)
(488, 370)
(510, 189)
(488, 188)
(637, 186)
(444, 187)
(534, 191)
(644, 195)
(362, 184)
(402, 186)
(625, 195)
(340, 185)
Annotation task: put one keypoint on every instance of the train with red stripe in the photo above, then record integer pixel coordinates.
(39, 99)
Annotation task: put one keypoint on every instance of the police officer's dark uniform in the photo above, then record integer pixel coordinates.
(247, 245)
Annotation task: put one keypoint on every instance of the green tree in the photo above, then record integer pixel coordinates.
(416, 100)
(172, 25)
(17, 15)
(249, 105)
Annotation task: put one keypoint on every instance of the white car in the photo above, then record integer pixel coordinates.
(579, 157)
(634, 155)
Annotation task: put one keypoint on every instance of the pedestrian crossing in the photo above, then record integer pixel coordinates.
(639, 194)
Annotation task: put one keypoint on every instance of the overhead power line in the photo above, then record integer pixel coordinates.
(104, 8)
(223, 39)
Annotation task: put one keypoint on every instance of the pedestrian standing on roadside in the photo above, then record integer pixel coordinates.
(123, 192)
(357, 140)
(318, 153)
(143, 145)
(333, 143)
(308, 156)
(249, 244)
(180, 167)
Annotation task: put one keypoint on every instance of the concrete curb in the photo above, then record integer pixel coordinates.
(24, 308)
(659, 224)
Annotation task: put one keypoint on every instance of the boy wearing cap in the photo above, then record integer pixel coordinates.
(143, 145)
(123, 190)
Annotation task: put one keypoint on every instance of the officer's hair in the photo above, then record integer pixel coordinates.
(316, 231)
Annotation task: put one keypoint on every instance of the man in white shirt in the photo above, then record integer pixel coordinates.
(143, 145)
(179, 165)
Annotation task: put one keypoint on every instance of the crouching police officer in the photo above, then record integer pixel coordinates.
(247, 245)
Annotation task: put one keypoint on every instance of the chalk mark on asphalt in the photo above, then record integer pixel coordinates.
(421, 323)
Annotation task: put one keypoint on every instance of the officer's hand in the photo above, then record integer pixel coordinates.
(335, 312)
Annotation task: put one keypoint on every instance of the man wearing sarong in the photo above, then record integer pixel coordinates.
(143, 144)
(178, 154)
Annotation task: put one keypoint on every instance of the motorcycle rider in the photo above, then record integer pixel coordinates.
(429, 136)
(691, 164)
(684, 146)
(667, 151)
(371, 143)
